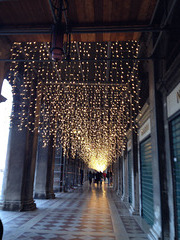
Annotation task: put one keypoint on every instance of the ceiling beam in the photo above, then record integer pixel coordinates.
(164, 24)
(26, 30)
(89, 83)
(155, 11)
(47, 29)
(111, 29)
(52, 11)
(82, 60)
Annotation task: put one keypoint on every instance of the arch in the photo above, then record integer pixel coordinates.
(5, 112)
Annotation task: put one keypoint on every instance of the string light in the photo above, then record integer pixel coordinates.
(84, 106)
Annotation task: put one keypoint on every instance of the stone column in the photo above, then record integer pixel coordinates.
(116, 174)
(31, 149)
(135, 183)
(125, 196)
(62, 171)
(19, 171)
(11, 198)
(156, 229)
(50, 170)
(121, 176)
(78, 170)
(74, 170)
(57, 169)
(41, 170)
(21, 154)
(44, 171)
(29, 170)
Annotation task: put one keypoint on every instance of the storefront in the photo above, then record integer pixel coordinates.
(146, 173)
(173, 113)
(146, 170)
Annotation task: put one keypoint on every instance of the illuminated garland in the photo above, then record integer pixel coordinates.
(86, 107)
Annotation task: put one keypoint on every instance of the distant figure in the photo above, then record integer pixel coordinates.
(82, 176)
(104, 175)
(98, 178)
(110, 174)
(1, 230)
(108, 177)
(95, 177)
(101, 176)
(90, 177)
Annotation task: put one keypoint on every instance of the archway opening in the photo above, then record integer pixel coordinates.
(5, 112)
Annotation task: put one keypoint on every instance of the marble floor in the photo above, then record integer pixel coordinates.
(87, 213)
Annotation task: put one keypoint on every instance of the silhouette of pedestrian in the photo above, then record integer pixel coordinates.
(82, 176)
(108, 177)
(1, 230)
(90, 177)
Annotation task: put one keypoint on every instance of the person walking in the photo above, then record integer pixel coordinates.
(97, 178)
(1, 230)
(108, 177)
(90, 177)
(104, 176)
(82, 175)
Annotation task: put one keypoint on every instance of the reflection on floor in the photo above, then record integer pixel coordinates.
(88, 213)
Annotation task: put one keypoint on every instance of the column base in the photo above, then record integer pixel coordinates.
(50, 196)
(118, 193)
(11, 205)
(155, 232)
(28, 205)
(125, 198)
(44, 196)
(40, 196)
(133, 211)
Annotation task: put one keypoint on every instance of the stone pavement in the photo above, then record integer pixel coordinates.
(88, 213)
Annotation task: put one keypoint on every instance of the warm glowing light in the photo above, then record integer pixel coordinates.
(87, 107)
(99, 160)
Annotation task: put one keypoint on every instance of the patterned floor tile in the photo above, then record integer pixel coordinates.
(81, 215)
